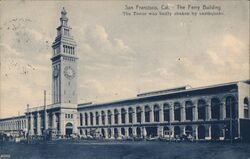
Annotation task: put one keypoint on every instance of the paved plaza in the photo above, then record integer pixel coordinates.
(126, 150)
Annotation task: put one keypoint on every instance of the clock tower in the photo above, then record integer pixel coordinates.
(64, 65)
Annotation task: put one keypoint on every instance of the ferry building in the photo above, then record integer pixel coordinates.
(216, 112)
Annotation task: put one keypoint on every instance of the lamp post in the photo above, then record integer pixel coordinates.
(28, 127)
(170, 132)
(133, 126)
(231, 124)
(45, 117)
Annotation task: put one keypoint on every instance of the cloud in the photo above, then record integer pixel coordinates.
(225, 60)
(101, 48)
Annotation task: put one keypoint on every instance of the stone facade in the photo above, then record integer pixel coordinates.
(203, 113)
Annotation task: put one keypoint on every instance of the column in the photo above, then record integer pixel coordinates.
(208, 111)
(88, 118)
(112, 117)
(46, 120)
(38, 123)
(171, 112)
(172, 131)
(183, 130)
(83, 119)
(119, 132)
(94, 119)
(195, 132)
(143, 114)
(223, 110)
(106, 118)
(134, 131)
(195, 111)
(161, 113)
(134, 116)
(127, 116)
(183, 112)
(126, 132)
(119, 116)
(160, 131)
(54, 120)
(61, 123)
(208, 132)
(151, 114)
(106, 133)
(112, 133)
(31, 130)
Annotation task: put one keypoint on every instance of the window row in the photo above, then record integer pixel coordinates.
(69, 116)
(69, 49)
(204, 111)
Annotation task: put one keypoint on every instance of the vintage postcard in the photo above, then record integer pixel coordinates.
(124, 79)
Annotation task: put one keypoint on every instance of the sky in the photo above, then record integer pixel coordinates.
(119, 56)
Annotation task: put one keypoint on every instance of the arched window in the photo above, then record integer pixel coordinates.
(123, 131)
(166, 112)
(201, 109)
(130, 132)
(116, 114)
(138, 114)
(147, 114)
(109, 117)
(156, 113)
(103, 118)
(189, 110)
(86, 119)
(91, 118)
(130, 115)
(230, 107)
(97, 118)
(246, 108)
(177, 111)
(123, 115)
(215, 108)
(80, 119)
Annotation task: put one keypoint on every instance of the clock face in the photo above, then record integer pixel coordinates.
(69, 72)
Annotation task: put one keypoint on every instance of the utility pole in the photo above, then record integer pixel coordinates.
(170, 132)
(28, 127)
(231, 122)
(45, 116)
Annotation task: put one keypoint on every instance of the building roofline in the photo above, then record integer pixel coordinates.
(79, 106)
(13, 117)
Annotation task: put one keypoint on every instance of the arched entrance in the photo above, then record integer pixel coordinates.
(177, 131)
(151, 131)
(130, 132)
(69, 129)
(166, 131)
(201, 132)
(138, 132)
(215, 132)
(123, 131)
(103, 133)
(189, 130)
(115, 132)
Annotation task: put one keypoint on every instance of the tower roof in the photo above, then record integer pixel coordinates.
(63, 13)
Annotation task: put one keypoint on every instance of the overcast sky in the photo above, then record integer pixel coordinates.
(119, 56)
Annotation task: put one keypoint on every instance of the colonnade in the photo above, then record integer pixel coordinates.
(13, 124)
(159, 118)
(162, 112)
